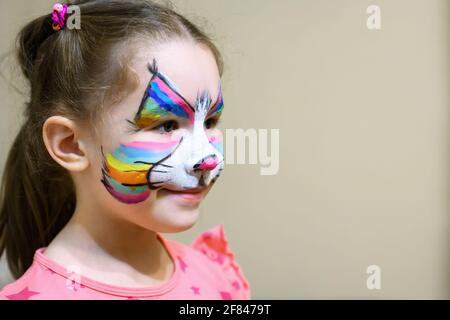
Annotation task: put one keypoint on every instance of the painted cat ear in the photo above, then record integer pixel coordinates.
(153, 67)
(217, 107)
(164, 92)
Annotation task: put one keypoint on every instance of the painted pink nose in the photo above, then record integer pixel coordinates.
(207, 164)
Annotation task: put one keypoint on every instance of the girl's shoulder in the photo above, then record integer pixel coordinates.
(212, 256)
(23, 287)
(46, 280)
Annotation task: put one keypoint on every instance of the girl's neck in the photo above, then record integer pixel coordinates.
(133, 255)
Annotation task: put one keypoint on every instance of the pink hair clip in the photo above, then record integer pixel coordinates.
(59, 16)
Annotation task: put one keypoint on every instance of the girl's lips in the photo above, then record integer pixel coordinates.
(192, 195)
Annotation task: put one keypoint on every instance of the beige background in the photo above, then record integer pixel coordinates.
(364, 124)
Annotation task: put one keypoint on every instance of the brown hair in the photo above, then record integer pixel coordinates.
(37, 196)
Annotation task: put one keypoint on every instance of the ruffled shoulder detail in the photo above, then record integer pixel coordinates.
(214, 245)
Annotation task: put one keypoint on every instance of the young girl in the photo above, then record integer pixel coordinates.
(120, 144)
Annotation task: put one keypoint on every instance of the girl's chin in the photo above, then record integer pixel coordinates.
(179, 218)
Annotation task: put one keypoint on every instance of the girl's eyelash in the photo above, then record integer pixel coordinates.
(161, 127)
(216, 120)
(134, 128)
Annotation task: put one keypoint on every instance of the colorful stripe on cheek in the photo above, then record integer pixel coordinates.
(128, 196)
(126, 180)
(128, 154)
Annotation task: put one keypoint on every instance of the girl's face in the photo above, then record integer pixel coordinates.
(160, 150)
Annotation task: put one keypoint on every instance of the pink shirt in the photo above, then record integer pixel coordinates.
(205, 270)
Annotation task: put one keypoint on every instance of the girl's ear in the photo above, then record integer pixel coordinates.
(62, 139)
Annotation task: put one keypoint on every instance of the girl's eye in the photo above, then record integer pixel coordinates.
(211, 123)
(167, 126)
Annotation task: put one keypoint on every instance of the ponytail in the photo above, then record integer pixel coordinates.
(36, 201)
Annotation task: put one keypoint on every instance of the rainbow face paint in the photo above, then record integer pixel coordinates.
(192, 160)
(126, 174)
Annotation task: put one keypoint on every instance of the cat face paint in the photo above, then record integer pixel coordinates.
(191, 160)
